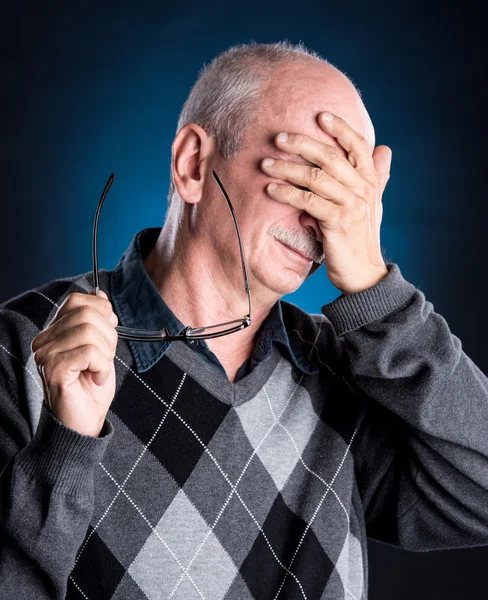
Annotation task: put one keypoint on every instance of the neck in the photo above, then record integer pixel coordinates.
(202, 288)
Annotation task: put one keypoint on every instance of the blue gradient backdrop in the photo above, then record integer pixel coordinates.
(94, 88)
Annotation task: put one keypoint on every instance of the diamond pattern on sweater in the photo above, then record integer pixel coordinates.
(188, 425)
(128, 589)
(260, 418)
(351, 555)
(266, 566)
(229, 505)
(105, 572)
(161, 566)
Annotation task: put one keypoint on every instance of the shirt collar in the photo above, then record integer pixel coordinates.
(139, 305)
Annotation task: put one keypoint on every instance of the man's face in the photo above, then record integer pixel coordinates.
(295, 96)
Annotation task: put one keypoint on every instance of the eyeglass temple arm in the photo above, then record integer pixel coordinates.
(241, 247)
(108, 185)
(96, 282)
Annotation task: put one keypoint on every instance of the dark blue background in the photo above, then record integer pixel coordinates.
(90, 88)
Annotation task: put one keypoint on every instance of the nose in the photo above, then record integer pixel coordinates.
(310, 222)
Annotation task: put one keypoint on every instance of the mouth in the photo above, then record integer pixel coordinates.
(296, 252)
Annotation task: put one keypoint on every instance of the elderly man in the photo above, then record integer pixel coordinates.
(144, 458)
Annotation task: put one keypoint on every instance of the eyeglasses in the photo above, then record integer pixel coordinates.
(189, 333)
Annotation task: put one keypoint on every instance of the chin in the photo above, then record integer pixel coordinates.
(281, 281)
(278, 271)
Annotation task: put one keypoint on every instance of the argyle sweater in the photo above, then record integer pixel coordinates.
(265, 488)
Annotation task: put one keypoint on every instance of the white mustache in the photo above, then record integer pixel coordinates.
(299, 240)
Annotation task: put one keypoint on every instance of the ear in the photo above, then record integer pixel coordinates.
(191, 151)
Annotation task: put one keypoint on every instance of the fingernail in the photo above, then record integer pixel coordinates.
(102, 293)
(272, 187)
(113, 318)
(326, 116)
(267, 162)
(282, 137)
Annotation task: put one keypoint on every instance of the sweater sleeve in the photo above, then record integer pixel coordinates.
(422, 445)
(46, 489)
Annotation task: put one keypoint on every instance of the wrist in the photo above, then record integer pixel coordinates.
(369, 283)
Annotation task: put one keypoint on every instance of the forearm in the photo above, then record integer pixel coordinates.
(403, 355)
(46, 504)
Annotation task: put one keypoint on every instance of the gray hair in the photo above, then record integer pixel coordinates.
(226, 97)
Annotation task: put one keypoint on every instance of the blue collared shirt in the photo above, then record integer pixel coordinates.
(139, 305)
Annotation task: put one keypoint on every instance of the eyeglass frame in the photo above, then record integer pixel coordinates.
(189, 333)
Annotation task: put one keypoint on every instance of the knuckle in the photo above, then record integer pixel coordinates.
(70, 298)
(317, 175)
(85, 331)
(73, 299)
(100, 301)
(87, 352)
(92, 351)
(289, 192)
(309, 198)
(86, 312)
(285, 166)
(331, 153)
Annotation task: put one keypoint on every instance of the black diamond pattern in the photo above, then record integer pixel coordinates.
(312, 567)
(175, 446)
(105, 571)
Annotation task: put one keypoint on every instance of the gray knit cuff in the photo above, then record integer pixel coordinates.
(60, 457)
(350, 312)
